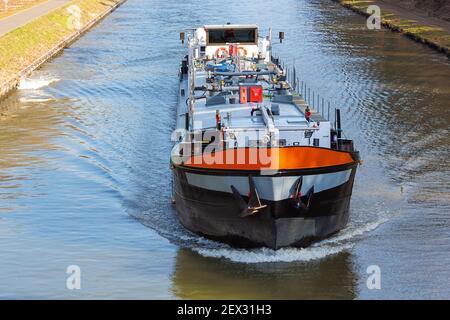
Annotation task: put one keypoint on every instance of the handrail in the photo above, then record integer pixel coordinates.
(243, 73)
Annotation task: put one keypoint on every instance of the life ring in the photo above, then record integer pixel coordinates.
(221, 52)
(243, 50)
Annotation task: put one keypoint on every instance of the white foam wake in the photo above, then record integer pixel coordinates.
(350, 233)
(328, 247)
(35, 99)
(34, 84)
(268, 255)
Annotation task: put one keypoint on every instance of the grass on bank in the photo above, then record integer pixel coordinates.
(23, 46)
(434, 35)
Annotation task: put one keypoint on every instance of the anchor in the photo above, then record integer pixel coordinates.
(253, 205)
(296, 196)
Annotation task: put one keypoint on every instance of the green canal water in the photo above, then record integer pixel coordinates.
(85, 179)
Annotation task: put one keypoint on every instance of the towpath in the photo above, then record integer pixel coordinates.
(21, 18)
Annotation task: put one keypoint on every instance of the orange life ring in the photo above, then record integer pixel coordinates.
(242, 49)
(220, 51)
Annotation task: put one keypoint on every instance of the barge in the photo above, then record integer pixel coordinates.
(252, 166)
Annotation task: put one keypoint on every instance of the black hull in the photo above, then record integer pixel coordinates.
(217, 215)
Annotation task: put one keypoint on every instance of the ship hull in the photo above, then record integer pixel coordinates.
(207, 206)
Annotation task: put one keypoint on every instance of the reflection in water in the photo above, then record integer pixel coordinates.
(27, 128)
(394, 93)
(197, 277)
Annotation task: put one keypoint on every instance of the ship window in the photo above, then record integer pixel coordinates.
(316, 142)
(221, 36)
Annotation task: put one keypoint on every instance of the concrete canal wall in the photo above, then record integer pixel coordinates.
(412, 20)
(25, 49)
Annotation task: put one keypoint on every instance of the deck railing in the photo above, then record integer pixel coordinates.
(317, 103)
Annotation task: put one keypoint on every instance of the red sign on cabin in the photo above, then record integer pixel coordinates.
(256, 94)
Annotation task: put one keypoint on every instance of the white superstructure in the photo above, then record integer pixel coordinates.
(234, 88)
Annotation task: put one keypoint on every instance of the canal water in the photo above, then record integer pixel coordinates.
(85, 179)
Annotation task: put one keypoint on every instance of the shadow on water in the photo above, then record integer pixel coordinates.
(198, 277)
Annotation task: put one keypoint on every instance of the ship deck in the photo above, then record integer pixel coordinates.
(291, 113)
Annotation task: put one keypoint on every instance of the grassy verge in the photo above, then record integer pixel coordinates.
(433, 36)
(21, 47)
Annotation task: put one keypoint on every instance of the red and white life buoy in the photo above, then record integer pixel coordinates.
(222, 52)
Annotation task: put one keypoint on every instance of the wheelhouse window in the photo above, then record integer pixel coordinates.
(232, 35)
